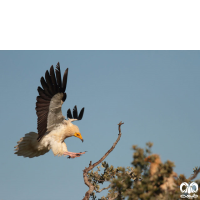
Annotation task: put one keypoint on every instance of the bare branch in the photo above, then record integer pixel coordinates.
(86, 170)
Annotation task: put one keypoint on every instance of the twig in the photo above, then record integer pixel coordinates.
(98, 191)
(195, 174)
(86, 170)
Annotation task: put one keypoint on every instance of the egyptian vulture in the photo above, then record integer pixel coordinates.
(154, 166)
(52, 126)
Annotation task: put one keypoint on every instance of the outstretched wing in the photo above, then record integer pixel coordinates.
(75, 113)
(50, 100)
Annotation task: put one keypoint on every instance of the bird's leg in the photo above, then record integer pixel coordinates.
(72, 154)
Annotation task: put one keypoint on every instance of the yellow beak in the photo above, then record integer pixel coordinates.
(78, 135)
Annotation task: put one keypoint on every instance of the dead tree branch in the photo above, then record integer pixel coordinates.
(86, 170)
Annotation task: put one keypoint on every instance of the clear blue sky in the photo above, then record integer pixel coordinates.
(155, 93)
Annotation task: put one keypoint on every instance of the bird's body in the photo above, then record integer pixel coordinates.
(52, 126)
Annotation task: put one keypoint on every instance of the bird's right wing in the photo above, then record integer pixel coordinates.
(50, 100)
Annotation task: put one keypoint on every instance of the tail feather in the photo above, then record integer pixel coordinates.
(28, 146)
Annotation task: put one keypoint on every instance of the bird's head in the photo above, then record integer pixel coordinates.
(73, 129)
(76, 132)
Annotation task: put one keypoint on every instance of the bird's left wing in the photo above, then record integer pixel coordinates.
(75, 113)
(50, 100)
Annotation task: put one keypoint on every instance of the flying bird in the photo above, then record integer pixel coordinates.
(52, 126)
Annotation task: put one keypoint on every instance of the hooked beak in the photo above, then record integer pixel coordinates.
(78, 135)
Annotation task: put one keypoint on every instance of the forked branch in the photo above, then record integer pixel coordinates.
(86, 170)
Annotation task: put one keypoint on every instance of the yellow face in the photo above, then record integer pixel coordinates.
(78, 135)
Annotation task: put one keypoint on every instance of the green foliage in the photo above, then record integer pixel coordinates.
(136, 182)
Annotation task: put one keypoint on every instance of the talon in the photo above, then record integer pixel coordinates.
(72, 154)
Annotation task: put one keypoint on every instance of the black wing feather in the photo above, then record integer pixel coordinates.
(58, 77)
(53, 79)
(45, 87)
(69, 114)
(75, 113)
(49, 83)
(42, 94)
(64, 97)
(65, 80)
(81, 114)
